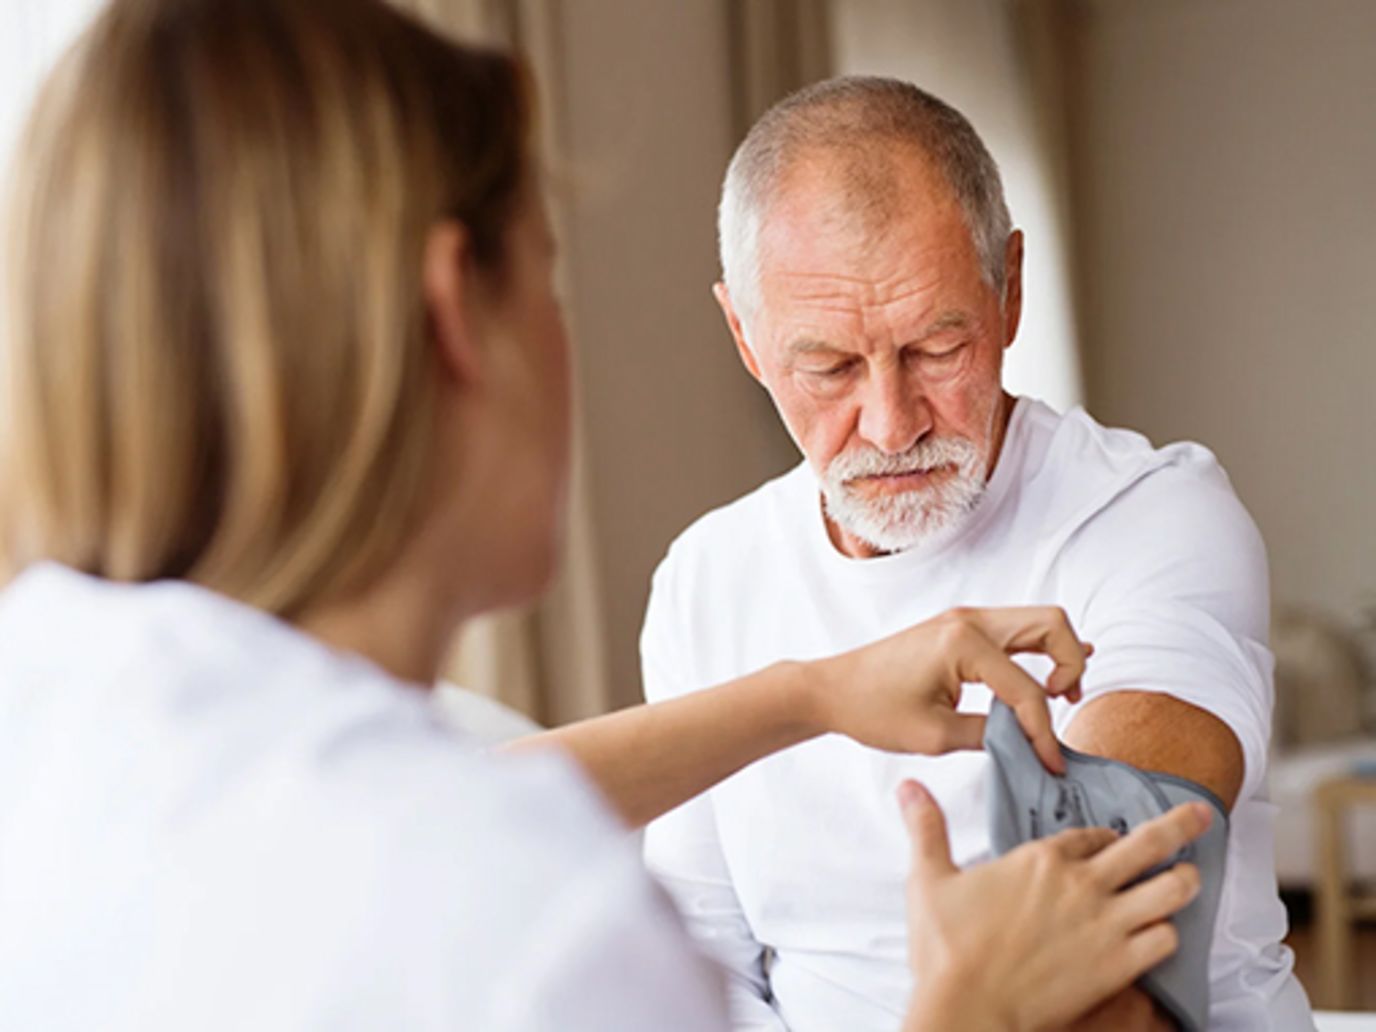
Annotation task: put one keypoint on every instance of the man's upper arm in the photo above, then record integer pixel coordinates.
(1157, 732)
(1175, 599)
(1176, 603)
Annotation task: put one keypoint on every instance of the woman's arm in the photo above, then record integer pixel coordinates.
(898, 694)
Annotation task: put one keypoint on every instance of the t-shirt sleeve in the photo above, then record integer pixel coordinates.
(1169, 582)
(611, 956)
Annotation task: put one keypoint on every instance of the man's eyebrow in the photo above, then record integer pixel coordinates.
(952, 320)
(811, 346)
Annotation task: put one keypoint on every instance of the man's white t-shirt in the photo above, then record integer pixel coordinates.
(210, 821)
(792, 872)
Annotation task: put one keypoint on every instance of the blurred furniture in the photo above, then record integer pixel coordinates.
(1334, 1021)
(1340, 899)
(1294, 777)
(1323, 680)
(1325, 728)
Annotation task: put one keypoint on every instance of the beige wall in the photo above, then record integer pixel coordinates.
(674, 425)
(1225, 167)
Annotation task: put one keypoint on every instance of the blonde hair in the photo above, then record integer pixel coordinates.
(214, 355)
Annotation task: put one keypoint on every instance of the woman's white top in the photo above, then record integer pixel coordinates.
(208, 820)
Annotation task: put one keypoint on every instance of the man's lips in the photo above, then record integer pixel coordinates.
(896, 483)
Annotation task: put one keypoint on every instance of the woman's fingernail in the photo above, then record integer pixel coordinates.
(908, 793)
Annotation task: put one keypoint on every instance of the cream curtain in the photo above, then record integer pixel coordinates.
(777, 46)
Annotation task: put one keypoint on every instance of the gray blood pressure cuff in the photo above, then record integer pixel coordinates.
(1027, 802)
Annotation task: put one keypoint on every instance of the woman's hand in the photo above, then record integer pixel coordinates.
(1036, 938)
(900, 694)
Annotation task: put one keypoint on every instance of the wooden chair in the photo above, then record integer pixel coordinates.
(1340, 903)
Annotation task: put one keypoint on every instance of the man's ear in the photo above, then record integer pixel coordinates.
(1012, 286)
(449, 287)
(733, 321)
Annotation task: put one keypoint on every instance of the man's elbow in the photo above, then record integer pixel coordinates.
(1159, 733)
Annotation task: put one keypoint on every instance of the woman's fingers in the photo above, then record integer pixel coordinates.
(1082, 843)
(1132, 957)
(1158, 898)
(922, 670)
(1024, 696)
(1146, 949)
(1150, 844)
(1044, 629)
(931, 857)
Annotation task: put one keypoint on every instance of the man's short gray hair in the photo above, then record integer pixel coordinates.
(849, 117)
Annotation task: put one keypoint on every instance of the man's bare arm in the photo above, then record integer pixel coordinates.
(1155, 732)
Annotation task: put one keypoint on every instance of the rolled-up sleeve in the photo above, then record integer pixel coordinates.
(1169, 581)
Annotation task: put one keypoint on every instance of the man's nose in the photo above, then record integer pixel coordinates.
(894, 414)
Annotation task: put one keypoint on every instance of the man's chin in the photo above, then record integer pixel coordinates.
(891, 542)
(888, 534)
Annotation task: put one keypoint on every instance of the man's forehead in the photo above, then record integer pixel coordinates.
(858, 183)
(910, 268)
(818, 225)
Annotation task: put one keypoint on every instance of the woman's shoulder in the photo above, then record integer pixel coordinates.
(237, 785)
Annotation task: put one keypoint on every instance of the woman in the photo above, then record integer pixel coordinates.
(286, 402)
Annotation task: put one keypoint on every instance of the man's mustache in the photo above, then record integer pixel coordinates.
(923, 457)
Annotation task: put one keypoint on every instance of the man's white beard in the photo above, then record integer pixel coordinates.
(898, 521)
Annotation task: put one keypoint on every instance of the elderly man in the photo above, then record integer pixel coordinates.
(872, 281)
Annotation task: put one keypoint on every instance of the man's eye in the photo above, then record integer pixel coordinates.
(833, 371)
(943, 356)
